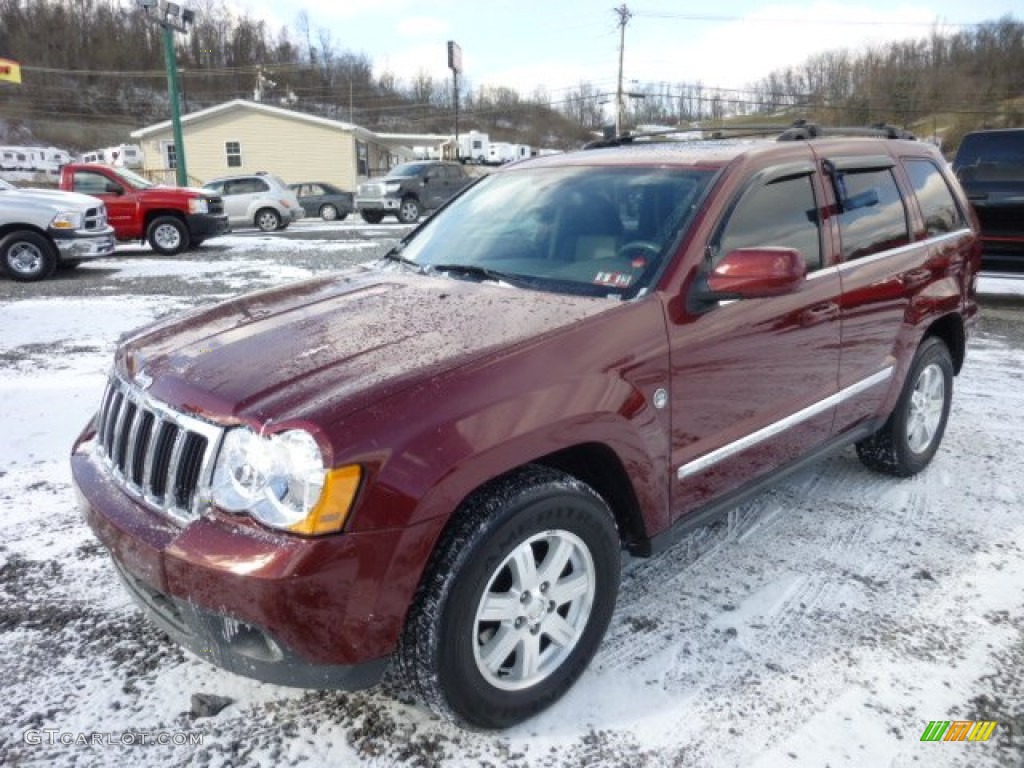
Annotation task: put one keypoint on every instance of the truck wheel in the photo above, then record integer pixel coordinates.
(328, 212)
(267, 219)
(409, 211)
(167, 235)
(27, 256)
(515, 601)
(911, 436)
(372, 217)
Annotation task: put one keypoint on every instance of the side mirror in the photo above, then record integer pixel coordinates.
(113, 189)
(755, 273)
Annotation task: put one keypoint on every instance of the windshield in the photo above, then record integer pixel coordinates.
(588, 230)
(134, 179)
(408, 169)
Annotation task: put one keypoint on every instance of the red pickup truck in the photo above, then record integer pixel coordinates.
(170, 219)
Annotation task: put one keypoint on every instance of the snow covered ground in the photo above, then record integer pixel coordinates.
(825, 624)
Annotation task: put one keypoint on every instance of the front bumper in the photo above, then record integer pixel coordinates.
(388, 204)
(204, 225)
(309, 612)
(81, 245)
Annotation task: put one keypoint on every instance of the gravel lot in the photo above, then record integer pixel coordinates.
(824, 623)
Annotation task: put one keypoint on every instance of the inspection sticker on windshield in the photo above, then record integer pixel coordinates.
(614, 279)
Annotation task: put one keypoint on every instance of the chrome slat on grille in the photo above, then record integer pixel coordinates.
(158, 455)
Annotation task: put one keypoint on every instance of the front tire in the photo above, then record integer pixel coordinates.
(27, 257)
(515, 602)
(409, 210)
(910, 437)
(167, 235)
(328, 212)
(267, 220)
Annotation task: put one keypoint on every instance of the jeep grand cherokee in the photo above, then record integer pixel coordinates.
(434, 460)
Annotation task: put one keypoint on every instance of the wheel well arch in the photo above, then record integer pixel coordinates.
(599, 467)
(950, 329)
(159, 213)
(10, 229)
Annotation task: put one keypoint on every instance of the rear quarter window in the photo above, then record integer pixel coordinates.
(938, 206)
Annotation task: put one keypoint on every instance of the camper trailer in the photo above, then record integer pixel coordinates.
(474, 147)
(500, 152)
(122, 156)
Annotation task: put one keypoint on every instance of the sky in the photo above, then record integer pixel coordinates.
(557, 44)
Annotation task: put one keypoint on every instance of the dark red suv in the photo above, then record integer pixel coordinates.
(434, 461)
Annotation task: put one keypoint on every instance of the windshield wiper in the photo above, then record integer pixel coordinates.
(395, 254)
(473, 270)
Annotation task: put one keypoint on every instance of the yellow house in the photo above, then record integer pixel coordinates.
(240, 137)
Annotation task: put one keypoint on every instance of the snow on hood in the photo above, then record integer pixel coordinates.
(336, 344)
(53, 197)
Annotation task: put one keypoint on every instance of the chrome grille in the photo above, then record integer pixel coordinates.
(160, 456)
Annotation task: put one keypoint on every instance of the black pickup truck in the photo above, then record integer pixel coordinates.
(410, 189)
(990, 165)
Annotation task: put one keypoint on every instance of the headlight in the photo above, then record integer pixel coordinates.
(393, 186)
(198, 205)
(67, 220)
(281, 481)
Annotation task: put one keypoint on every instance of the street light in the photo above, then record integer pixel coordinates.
(172, 18)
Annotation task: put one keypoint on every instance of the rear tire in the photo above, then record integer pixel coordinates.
(27, 256)
(910, 437)
(328, 212)
(167, 235)
(267, 220)
(372, 217)
(515, 601)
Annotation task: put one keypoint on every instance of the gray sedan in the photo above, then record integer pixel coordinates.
(318, 198)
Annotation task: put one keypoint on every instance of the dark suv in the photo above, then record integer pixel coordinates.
(410, 189)
(434, 460)
(990, 166)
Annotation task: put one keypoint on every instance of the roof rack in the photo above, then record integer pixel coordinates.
(798, 130)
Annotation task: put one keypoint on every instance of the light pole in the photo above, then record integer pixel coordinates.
(172, 18)
(455, 65)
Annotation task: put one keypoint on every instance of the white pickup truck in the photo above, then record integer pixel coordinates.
(42, 230)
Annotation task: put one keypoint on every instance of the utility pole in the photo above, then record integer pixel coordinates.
(624, 17)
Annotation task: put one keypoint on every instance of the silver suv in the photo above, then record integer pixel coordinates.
(257, 199)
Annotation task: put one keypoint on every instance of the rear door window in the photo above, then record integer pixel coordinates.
(874, 218)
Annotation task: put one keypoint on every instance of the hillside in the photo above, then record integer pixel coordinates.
(101, 74)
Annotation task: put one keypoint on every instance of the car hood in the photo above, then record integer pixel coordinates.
(57, 199)
(328, 346)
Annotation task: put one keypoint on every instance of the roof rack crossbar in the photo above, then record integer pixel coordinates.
(798, 130)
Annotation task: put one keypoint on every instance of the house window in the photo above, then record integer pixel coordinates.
(172, 156)
(234, 153)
